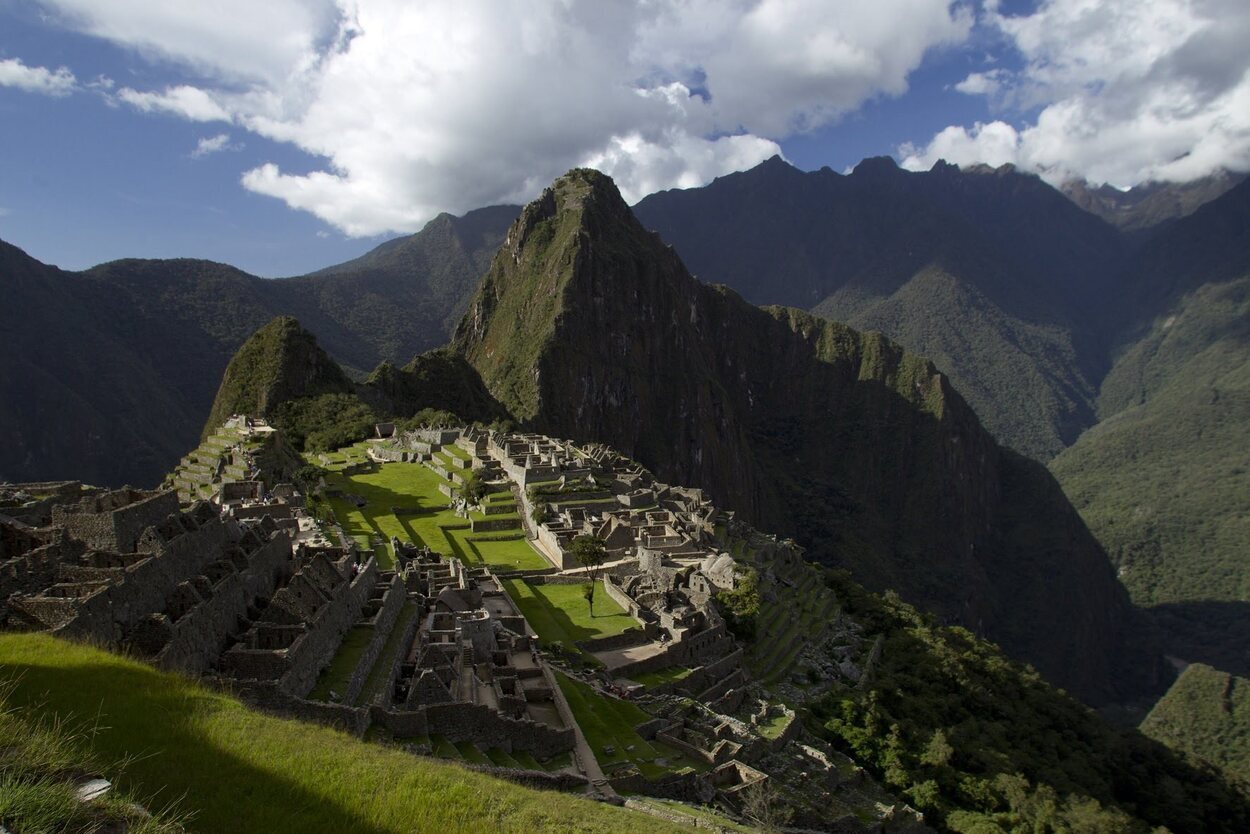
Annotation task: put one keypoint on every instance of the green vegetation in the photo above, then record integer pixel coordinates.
(42, 763)
(1206, 713)
(610, 722)
(558, 614)
(741, 606)
(983, 744)
(424, 517)
(233, 769)
(590, 553)
(335, 676)
(380, 672)
(1176, 406)
(670, 674)
(280, 362)
(320, 424)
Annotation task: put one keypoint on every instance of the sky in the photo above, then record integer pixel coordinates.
(287, 135)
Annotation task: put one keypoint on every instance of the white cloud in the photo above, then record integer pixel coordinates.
(1125, 92)
(214, 144)
(185, 101)
(242, 40)
(981, 83)
(57, 82)
(422, 107)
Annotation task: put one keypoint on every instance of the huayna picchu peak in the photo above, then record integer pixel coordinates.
(589, 326)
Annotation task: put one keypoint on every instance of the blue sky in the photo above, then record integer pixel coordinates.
(301, 135)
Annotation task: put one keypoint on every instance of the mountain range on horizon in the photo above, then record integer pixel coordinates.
(1050, 321)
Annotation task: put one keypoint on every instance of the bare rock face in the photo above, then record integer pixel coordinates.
(588, 326)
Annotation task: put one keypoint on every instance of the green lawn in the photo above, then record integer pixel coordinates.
(610, 722)
(559, 612)
(672, 673)
(427, 520)
(335, 676)
(242, 771)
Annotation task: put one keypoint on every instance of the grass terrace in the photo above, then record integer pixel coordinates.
(380, 672)
(334, 677)
(610, 722)
(424, 518)
(234, 769)
(661, 676)
(558, 613)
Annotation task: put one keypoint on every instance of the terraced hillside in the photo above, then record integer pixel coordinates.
(232, 453)
(410, 500)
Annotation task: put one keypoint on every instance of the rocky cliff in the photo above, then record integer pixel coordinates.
(588, 326)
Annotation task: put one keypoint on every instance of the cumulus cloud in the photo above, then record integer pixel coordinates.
(57, 82)
(184, 100)
(1124, 92)
(214, 144)
(981, 83)
(417, 108)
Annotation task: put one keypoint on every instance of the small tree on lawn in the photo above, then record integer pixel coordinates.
(473, 488)
(590, 552)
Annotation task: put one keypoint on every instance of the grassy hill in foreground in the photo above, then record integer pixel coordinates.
(1207, 713)
(233, 769)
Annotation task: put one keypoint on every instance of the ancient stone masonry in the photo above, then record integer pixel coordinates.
(297, 631)
(241, 584)
(472, 672)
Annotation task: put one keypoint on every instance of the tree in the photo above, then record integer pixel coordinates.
(474, 488)
(590, 552)
(764, 806)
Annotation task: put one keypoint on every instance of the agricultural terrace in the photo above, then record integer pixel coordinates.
(234, 769)
(424, 516)
(608, 724)
(558, 613)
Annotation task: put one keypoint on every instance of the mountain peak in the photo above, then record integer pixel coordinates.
(281, 361)
(876, 166)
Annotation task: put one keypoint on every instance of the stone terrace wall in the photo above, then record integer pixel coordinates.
(317, 647)
(200, 635)
(102, 524)
(392, 604)
(477, 724)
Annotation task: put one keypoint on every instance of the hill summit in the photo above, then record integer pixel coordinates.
(589, 326)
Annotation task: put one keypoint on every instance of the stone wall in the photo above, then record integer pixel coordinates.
(383, 623)
(197, 639)
(476, 724)
(268, 696)
(115, 520)
(110, 613)
(401, 653)
(312, 652)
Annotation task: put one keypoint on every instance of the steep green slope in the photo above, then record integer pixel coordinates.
(238, 770)
(982, 744)
(110, 372)
(991, 272)
(1206, 713)
(281, 361)
(587, 326)
(1162, 481)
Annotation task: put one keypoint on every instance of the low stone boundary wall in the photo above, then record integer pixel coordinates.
(487, 525)
(476, 724)
(268, 696)
(541, 779)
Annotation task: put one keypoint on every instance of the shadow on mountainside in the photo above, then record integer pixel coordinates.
(1207, 631)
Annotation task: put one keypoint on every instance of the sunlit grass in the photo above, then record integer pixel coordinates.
(241, 771)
